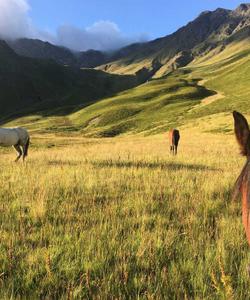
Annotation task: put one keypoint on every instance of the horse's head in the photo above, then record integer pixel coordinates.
(242, 184)
(242, 134)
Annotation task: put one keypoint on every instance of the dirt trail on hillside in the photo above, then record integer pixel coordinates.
(209, 99)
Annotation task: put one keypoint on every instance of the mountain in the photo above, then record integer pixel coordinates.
(91, 58)
(211, 29)
(200, 96)
(35, 48)
(29, 83)
(197, 75)
(207, 63)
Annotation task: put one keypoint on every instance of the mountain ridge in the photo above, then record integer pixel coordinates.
(207, 31)
(196, 37)
(35, 48)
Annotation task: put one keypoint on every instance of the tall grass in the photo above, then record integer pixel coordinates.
(122, 219)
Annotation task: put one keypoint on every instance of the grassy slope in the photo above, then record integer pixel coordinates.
(37, 85)
(166, 102)
(31, 84)
(227, 73)
(151, 107)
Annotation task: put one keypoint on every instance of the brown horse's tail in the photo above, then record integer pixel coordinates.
(26, 147)
(177, 137)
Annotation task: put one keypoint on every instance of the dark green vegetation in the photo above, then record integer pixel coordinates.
(30, 84)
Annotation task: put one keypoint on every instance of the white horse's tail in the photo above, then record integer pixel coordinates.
(26, 147)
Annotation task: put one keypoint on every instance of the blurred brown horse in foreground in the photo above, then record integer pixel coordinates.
(174, 137)
(242, 184)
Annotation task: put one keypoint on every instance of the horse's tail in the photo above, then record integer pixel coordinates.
(26, 147)
(175, 137)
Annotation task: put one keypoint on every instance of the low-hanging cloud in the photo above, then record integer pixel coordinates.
(14, 20)
(102, 35)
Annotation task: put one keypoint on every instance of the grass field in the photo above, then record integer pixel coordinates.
(119, 218)
(122, 219)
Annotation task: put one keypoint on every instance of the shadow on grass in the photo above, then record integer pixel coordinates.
(151, 165)
(63, 163)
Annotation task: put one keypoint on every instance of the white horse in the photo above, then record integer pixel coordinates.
(18, 138)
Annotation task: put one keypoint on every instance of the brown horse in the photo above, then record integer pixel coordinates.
(242, 184)
(174, 137)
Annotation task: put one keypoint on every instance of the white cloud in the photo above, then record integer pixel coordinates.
(14, 20)
(102, 35)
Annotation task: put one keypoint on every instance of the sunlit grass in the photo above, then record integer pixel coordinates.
(121, 218)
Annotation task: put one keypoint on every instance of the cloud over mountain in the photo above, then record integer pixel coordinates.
(102, 35)
(14, 20)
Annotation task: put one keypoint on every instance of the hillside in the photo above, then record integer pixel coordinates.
(211, 29)
(215, 52)
(181, 98)
(186, 97)
(31, 84)
(35, 48)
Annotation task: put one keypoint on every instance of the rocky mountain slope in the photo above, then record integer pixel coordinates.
(212, 29)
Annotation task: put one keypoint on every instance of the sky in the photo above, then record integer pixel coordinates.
(99, 24)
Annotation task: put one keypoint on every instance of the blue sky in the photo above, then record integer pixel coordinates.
(99, 24)
(154, 17)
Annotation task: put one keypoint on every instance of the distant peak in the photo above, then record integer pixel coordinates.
(222, 10)
(219, 11)
(243, 8)
(204, 13)
(4, 48)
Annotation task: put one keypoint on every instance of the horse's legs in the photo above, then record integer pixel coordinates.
(171, 149)
(175, 149)
(19, 151)
(22, 147)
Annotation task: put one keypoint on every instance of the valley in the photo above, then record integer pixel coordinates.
(100, 209)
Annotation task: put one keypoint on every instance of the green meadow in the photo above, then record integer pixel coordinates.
(100, 210)
(122, 219)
